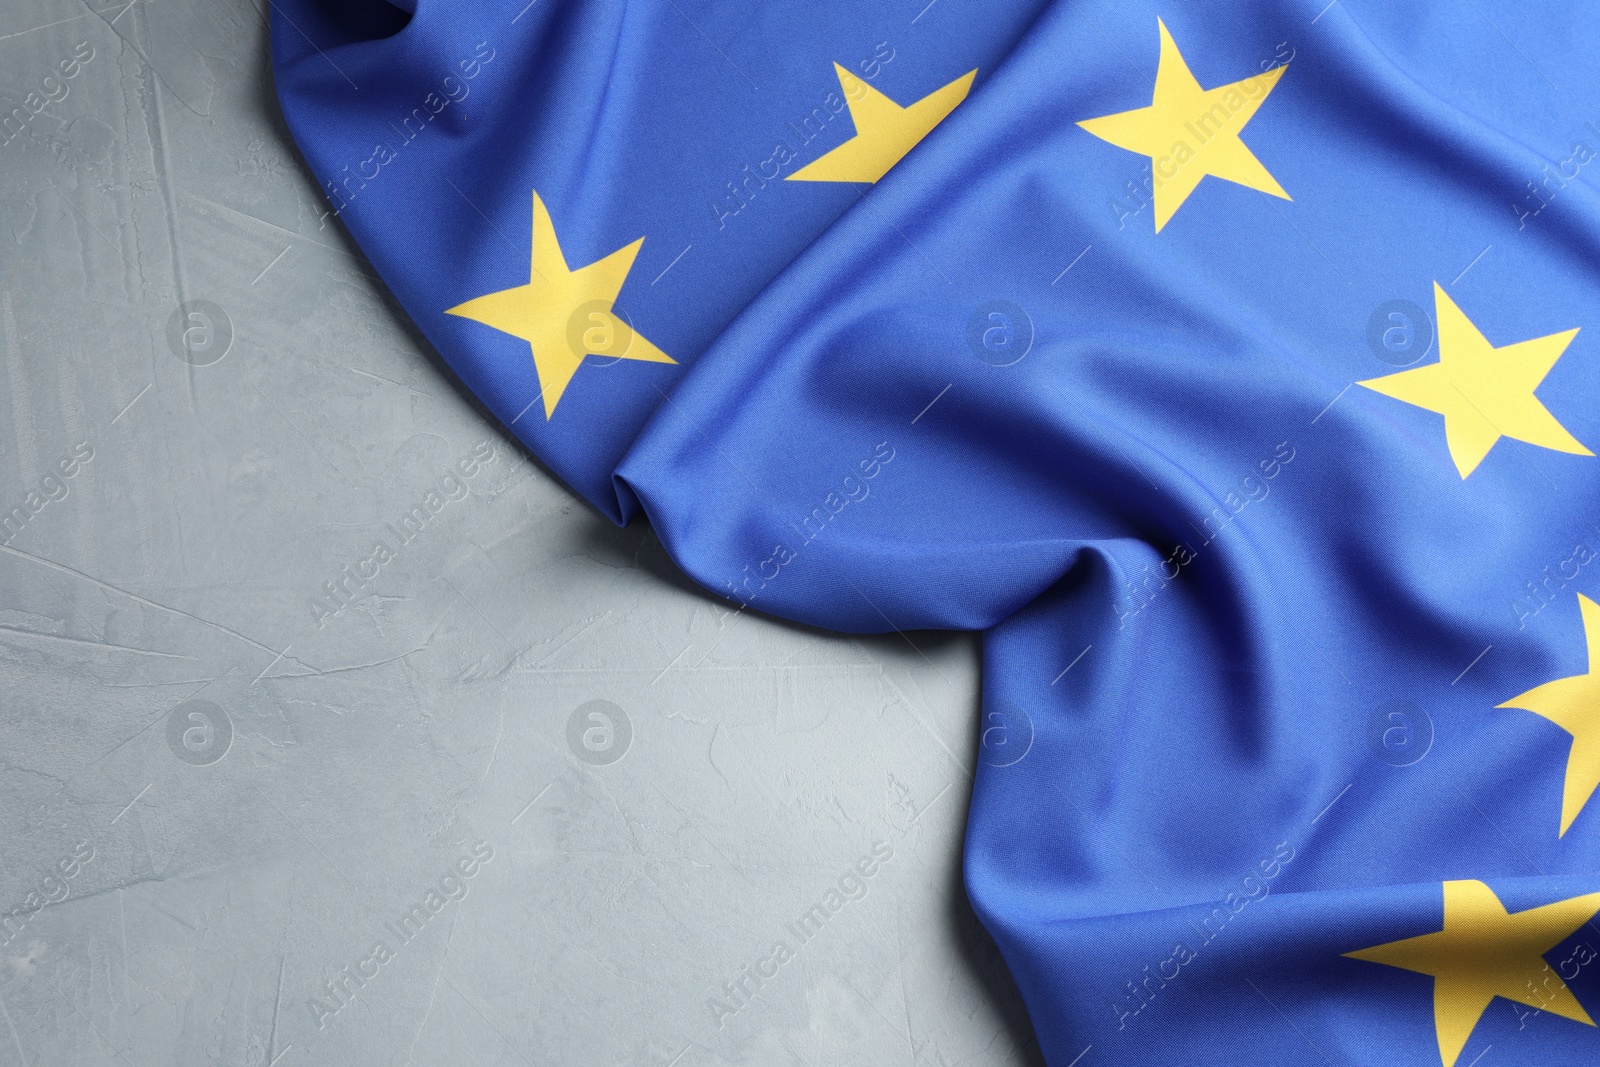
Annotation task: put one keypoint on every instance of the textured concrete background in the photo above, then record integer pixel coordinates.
(213, 809)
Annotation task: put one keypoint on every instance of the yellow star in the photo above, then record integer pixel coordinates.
(564, 314)
(1484, 393)
(1189, 132)
(1574, 705)
(1484, 952)
(885, 131)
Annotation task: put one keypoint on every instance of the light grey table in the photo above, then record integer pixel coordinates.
(526, 797)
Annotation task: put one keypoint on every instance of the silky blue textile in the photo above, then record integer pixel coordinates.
(1262, 458)
(667, 121)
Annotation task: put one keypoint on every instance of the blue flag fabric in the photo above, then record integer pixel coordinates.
(440, 139)
(1230, 366)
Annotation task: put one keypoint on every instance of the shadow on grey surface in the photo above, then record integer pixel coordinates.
(640, 545)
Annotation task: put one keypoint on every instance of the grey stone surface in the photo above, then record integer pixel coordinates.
(212, 801)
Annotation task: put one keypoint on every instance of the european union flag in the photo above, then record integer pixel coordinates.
(1230, 366)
